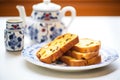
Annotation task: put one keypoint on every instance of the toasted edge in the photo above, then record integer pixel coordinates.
(54, 56)
(73, 62)
(87, 47)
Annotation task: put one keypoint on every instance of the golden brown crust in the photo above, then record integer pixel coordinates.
(49, 59)
(72, 61)
(94, 60)
(56, 48)
(90, 55)
(74, 54)
(86, 50)
(79, 55)
(69, 45)
(87, 45)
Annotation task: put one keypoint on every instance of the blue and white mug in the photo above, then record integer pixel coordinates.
(14, 39)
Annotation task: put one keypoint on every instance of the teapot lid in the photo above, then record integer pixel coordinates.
(46, 5)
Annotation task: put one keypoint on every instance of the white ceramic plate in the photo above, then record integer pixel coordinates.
(29, 53)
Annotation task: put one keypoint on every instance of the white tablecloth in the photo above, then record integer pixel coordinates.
(106, 29)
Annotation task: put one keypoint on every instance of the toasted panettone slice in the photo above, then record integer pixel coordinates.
(79, 55)
(70, 61)
(87, 45)
(86, 52)
(56, 48)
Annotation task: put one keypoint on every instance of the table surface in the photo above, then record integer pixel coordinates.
(104, 28)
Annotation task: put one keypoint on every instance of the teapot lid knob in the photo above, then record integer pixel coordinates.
(46, 5)
(46, 1)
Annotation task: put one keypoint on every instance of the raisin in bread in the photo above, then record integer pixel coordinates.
(87, 45)
(56, 48)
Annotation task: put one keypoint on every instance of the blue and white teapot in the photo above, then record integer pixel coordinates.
(46, 20)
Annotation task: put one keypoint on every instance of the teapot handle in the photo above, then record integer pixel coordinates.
(73, 13)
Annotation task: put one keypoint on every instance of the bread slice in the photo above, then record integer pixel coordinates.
(79, 55)
(56, 48)
(87, 45)
(86, 52)
(94, 60)
(70, 61)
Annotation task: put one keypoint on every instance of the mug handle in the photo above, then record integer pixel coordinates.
(73, 13)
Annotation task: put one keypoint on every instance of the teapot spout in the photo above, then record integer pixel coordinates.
(22, 13)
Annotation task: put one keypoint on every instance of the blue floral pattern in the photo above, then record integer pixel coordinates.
(14, 40)
(33, 32)
(14, 25)
(46, 26)
(42, 32)
(51, 16)
(55, 32)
